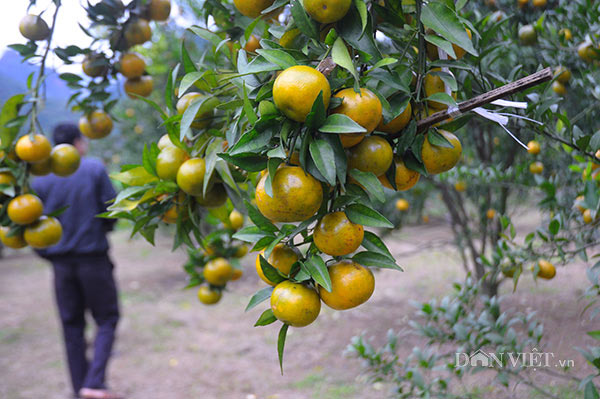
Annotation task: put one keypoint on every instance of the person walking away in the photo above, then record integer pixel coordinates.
(83, 270)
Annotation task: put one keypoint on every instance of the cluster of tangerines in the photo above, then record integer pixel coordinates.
(210, 268)
(28, 225)
(296, 196)
(541, 269)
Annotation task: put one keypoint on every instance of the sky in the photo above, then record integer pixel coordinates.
(66, 33)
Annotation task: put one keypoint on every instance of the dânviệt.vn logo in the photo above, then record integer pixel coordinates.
(533, 359)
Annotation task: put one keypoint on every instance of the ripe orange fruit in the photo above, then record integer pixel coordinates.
(460, 186)
(208, 295)
(94, 65)
(25, 209)
(295, 304)
(296, 89)
(434, 84)
(336, 235)
(536, 168)
(41, 168)
(527, 35)
(241, 251)
(533, 147)
(587, 216)
(565, 34)
(396, 125)
(559, 88)
(172, 214)
(252, 44)
(96, 125)
(327, 11)
(296, 195)
(547, 270)
(287, 40)
(540, 3)
(159, 10)
(586, 51)
(402, 205)
(252, 8)
(215, 197)
(132, 66)
(236, 220)
(363, 108)
(203, 118)
(141, 86)
(34, 28)
(33, 150)
(405, 178)
(168, 162)
(7, 178)
(137, 31)
(64, 160)
(190, 176)
(164, 142)
(351, 285)
(15, 242)
(373, 154)
(44, 233)
(490, 214)
(441, 159)
(282, 258)
(563, 74)
(218, 271)
(237, 274)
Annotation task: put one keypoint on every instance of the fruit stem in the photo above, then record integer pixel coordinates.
(36, 91)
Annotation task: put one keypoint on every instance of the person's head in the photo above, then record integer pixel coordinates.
(68, 133)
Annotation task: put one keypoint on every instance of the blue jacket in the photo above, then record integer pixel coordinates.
(85, 194)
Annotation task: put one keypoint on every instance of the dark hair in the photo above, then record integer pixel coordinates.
(66, 133)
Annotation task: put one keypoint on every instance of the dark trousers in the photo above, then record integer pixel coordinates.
(80, 283)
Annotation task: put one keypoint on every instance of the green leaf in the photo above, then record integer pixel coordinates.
(137, 176)
(199, 105)
(361, 214)
(10, 111)
(383, 62)
(590, 391)
(279, 57)
(370, 183)
(206, 35)
(362, 11)
(445, 22)
(341, 124)
(438, 139)
(281, 345)
(269, 271)
(317, 269)
(595, 141)
(188, 64)
(441, 43)
(373, 243)
(272, 166)
(266, 318)
(258, 219)
(249, 234)
(317, 114)
(374, 259)
(248, 161)
(340, 55)
(249, 109)
(594, 334)
(443, 98)
(303, 21)
(324, 159)
(259, 297)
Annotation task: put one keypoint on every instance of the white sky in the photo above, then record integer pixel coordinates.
(67, 31)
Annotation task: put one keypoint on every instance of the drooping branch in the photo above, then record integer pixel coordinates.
(501, 92)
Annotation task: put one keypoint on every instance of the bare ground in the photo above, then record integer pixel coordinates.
(171, 347)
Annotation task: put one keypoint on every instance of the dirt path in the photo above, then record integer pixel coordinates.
(171, 347)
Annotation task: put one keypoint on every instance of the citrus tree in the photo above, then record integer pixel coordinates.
(304, 115)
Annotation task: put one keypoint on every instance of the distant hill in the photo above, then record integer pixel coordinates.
(13, 75)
